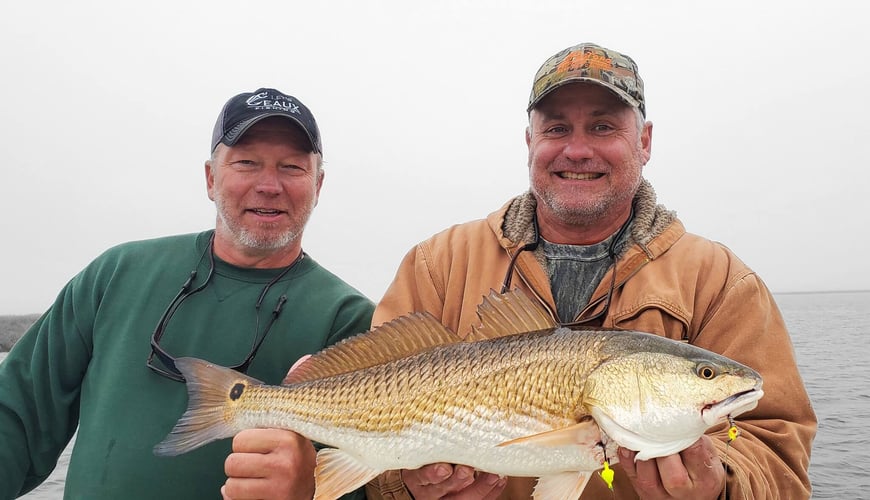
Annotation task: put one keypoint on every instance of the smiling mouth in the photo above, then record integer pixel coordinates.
(264, 211)
(579, 176)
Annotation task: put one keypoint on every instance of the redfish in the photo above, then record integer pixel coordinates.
(519, 397)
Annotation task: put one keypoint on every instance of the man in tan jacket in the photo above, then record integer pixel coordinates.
(589, 242)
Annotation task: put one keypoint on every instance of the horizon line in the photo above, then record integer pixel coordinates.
(799, 292)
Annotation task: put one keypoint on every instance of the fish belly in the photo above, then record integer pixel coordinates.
(462, 439)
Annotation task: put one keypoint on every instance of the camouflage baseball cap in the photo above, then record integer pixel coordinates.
(588, 62)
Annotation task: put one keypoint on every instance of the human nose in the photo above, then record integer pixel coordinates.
(578, 147)
(268, 181)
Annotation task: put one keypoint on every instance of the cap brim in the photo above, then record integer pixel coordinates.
(631, 101)
(243, 127)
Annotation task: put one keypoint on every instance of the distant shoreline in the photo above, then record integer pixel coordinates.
(821, 292)
(12, 327)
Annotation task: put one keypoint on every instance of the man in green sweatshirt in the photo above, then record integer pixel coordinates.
(101, 359)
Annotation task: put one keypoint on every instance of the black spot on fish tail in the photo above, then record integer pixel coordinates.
(236, 391)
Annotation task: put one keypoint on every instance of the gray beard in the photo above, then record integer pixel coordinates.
(250, 239)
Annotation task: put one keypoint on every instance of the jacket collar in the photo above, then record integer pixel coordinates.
(653, 230)
(514, 222)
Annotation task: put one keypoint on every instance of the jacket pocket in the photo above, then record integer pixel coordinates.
(654, 316)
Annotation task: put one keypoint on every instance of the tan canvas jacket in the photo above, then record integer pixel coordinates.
(668, 282)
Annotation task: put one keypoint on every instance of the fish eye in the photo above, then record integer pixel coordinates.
(706, 371)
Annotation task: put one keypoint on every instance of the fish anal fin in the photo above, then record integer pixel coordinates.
(584, 433)
(338, 473)
(503, 314)
(396, 339)
(561, 486)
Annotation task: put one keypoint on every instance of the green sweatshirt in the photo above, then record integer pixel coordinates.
(83, 364)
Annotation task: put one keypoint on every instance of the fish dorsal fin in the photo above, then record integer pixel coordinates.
(396, 339)
(503, 314)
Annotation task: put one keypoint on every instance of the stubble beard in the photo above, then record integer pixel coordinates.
(589, 212)
(265, 239)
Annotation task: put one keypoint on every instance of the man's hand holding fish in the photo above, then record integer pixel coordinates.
(442, 479)
(261, 460)
(694, 473)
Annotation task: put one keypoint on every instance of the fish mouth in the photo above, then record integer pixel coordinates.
(732, 406)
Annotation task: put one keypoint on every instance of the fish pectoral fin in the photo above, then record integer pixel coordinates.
(583, 433)
(561, 486)
(338, 473)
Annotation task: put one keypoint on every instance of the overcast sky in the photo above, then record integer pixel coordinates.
(760, 115)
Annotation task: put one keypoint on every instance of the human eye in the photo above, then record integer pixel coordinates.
(602, 128)
(555, 129)
(293, 169)
(244, 164)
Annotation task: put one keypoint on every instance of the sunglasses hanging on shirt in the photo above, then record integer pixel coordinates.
(169, 370)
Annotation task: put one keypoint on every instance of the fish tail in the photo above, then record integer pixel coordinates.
(210, 390)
